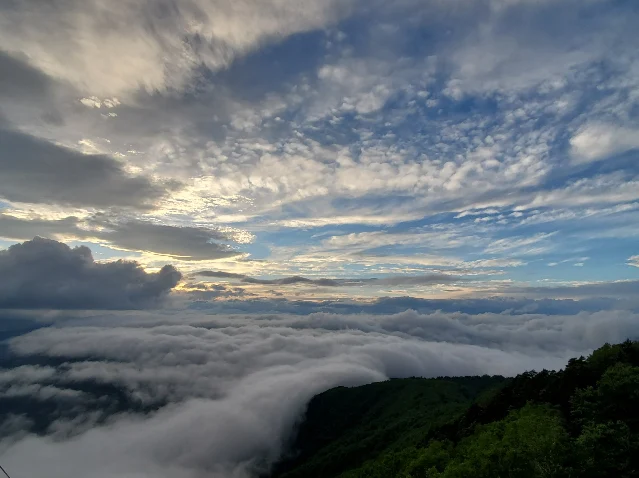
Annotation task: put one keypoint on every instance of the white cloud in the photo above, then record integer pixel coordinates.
(599, 141)
(39, 392)
(437, 237)
(95, 102)
(521, 245)
(237, 384)
(26, 374)
(509, 56)
(633, 261)
(107, 49)
(359, 85)
(597, 192)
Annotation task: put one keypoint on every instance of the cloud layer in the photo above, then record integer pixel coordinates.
(324, 282)
(236, 385)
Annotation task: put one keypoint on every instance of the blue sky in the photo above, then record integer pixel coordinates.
(491, 142)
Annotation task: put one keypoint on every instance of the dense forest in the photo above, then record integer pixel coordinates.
(581, 421)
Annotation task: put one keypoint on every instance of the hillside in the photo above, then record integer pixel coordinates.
(344, 427)
(577, 422)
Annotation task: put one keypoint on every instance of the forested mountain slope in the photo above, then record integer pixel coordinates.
(582, 421)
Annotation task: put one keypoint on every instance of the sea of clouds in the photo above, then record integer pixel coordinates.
(224, 391)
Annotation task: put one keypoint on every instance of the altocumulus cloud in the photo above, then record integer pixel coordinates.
(231, 388)
(46, 274)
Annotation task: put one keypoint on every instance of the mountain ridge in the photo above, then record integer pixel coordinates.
(578, 421)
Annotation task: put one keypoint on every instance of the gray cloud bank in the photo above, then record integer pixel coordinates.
(190, 243)
(193, 243)
(47, 274)
(425, 279)
(619, 289)
(236, 384)
(395, 305)
(33, 170)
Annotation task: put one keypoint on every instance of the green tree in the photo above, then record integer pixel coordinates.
(530, 442)
(606, 450)
(431, 460)
(608, 443)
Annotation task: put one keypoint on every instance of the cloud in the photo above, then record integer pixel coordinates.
(46, 274)
(509, 54)
(12, 227)
(180, 242)
(596, 191)
(599, 141)
(633, 261)
(404, 160)
(236, 385)
(439, 151)
(426, 279)
(188, 243)
(19, 79)
(221, 274)
(33, 170)
(495, 300)
(207, 292)
(157, 45)
(292, 281)
(619, 289)
(521, 245)
(39, 392)
(95, 102)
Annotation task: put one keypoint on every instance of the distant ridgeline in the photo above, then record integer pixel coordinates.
(582, 421)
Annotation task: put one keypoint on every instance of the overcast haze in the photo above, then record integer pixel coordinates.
(212, 210)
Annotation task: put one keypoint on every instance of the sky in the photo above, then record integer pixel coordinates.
(492, 141)
(224, 207)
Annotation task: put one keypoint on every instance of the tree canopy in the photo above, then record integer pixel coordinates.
(577, 422)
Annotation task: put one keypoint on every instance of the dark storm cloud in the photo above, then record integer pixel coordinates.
(46, 274)
(426, 279)
(33, 170)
